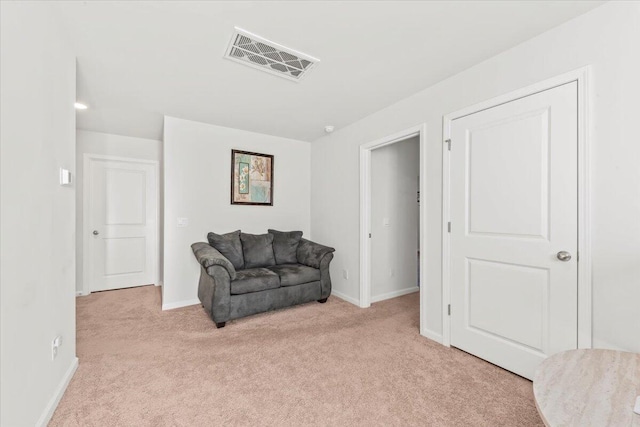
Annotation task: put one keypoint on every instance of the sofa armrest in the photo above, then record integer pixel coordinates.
(214, 291)
(311, 253)
(325, 277)
(208, 256)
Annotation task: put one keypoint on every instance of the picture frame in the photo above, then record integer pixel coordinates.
(251, 178)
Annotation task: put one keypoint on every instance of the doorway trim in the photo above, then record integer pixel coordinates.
(365, 216)
(88, 158)
(581, 76)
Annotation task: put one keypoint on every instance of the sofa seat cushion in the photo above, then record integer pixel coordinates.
(254, 280)
(295, 274)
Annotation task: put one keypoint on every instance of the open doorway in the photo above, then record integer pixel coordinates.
(392, 221)
(118, 212)
(395, 219)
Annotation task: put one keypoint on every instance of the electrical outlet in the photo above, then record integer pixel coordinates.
(55, 344)
(345, 274)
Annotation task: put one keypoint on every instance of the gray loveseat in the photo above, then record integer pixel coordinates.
(243, 274)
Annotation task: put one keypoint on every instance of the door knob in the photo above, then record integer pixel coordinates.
(95, 233)
(564, 256)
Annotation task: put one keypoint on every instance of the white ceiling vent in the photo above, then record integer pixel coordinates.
(265, 55)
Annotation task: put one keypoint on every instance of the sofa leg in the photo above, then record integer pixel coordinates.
(323, 300)
(220, 324)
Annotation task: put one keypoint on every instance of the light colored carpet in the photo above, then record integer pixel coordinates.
(316, 364)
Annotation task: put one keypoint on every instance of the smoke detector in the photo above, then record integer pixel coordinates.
(262, 54)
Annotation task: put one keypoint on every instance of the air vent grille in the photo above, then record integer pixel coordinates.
(265, 55)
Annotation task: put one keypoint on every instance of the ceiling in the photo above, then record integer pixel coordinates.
(139, 61)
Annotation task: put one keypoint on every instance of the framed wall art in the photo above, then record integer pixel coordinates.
(251, 178)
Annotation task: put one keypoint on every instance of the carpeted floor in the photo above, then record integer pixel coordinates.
(330, 364)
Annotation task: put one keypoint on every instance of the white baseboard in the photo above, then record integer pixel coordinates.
(434, 336)
(178, 304)
(394, 294)
(346, 298)
(55, 399)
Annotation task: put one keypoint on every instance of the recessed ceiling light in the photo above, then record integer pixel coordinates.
(329, 129)
(80, 106)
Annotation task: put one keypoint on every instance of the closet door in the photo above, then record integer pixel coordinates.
(514, 226)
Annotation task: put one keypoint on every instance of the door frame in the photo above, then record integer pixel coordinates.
(365, 214)
(581, 76)
(88, 159)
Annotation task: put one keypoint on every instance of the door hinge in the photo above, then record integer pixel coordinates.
(448, 142)
(449, 227)
(577, 256)
(449, 309)
(369, 235)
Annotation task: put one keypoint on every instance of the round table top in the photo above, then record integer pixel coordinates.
(588, 388)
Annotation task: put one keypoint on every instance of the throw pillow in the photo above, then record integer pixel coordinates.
(285, 245)
(229, 246)
(257, 250)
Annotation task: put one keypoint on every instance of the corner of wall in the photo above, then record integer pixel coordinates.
(44, 419)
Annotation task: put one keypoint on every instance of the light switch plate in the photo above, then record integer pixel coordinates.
(65, 176)
(183, 222)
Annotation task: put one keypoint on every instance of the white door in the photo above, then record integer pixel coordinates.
(122, 225)
(513, 201)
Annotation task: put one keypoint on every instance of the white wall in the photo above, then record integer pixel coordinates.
(37, 86)
(608, 38)
(106, 144)
(395, 170)
(197, 162)
(117, 145)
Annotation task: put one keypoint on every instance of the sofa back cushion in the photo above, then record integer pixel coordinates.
(257, 250)
(285, 245)
(229, 246)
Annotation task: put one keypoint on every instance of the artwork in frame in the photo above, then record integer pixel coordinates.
(251, 178)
